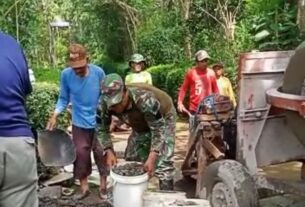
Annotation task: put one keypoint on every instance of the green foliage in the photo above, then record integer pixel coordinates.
(160, 38)
(254, 7)
(159, 75)
(110, 66)
(160, 47)
(169, 77)
(277, 30)
(51, 75)
(113, 30)
(174, 80)
(28, 21)
(41, 103)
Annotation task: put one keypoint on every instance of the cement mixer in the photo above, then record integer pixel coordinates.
(270, 122)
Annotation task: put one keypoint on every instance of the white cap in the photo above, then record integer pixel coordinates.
(201, 55)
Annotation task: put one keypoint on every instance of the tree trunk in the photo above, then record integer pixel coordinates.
(301, 15)
(229, 29)
(186, 5)
(45, 7)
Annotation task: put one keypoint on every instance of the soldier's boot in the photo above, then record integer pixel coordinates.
(167, 185)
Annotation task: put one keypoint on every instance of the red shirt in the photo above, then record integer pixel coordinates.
(201, 83)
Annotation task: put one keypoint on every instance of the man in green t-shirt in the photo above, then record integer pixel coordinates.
(138, 74)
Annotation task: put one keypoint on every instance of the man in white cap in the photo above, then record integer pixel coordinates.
(200, 80)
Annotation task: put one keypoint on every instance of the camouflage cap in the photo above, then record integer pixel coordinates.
(112, 89)
(136, 58)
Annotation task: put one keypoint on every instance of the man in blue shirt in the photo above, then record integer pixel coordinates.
(18, 171)
(80, 85)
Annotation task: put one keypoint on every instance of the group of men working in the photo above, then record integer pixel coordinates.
(149, 112)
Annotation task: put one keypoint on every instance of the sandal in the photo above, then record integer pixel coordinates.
(103, 194)
(81, 196)
(67, 191)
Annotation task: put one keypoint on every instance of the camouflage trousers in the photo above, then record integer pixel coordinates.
(138, 149)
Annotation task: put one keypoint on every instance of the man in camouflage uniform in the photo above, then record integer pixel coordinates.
(151, 114)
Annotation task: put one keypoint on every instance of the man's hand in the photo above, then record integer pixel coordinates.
(150, 163)
(181, 108)
(110, 158)
(52, 122)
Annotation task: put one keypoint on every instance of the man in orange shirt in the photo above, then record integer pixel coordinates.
(200, 80)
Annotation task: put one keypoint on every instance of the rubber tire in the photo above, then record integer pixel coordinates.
(238, 180)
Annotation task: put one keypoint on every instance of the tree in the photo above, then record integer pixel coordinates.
(225, 15)
(301, 15)
(185, 8)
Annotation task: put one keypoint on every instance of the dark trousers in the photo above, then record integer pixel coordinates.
(85, 141)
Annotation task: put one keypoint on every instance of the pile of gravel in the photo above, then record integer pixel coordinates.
(129, 169)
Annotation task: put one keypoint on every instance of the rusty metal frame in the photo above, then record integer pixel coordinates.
(286, 101)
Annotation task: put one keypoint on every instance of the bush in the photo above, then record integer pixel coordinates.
(169, 78)
(160, 46)
(159, 75)
(50, 75)
(174, 80)
(41, 103)
(110, 66)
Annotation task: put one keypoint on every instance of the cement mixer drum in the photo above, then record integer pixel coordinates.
(294, 83)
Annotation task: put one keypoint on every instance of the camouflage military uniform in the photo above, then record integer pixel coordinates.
(153, 123)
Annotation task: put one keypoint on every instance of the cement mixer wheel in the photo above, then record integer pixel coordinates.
(227, 183)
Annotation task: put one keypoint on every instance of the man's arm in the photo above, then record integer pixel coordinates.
(64, 95)
(105, 126)
(149, 79)
(184, 87)
(150, 107)
(62, 102)
(105, 135)
(214, 84)
(28, 85)
(128, 79)
(101, 73)
(231, 93)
